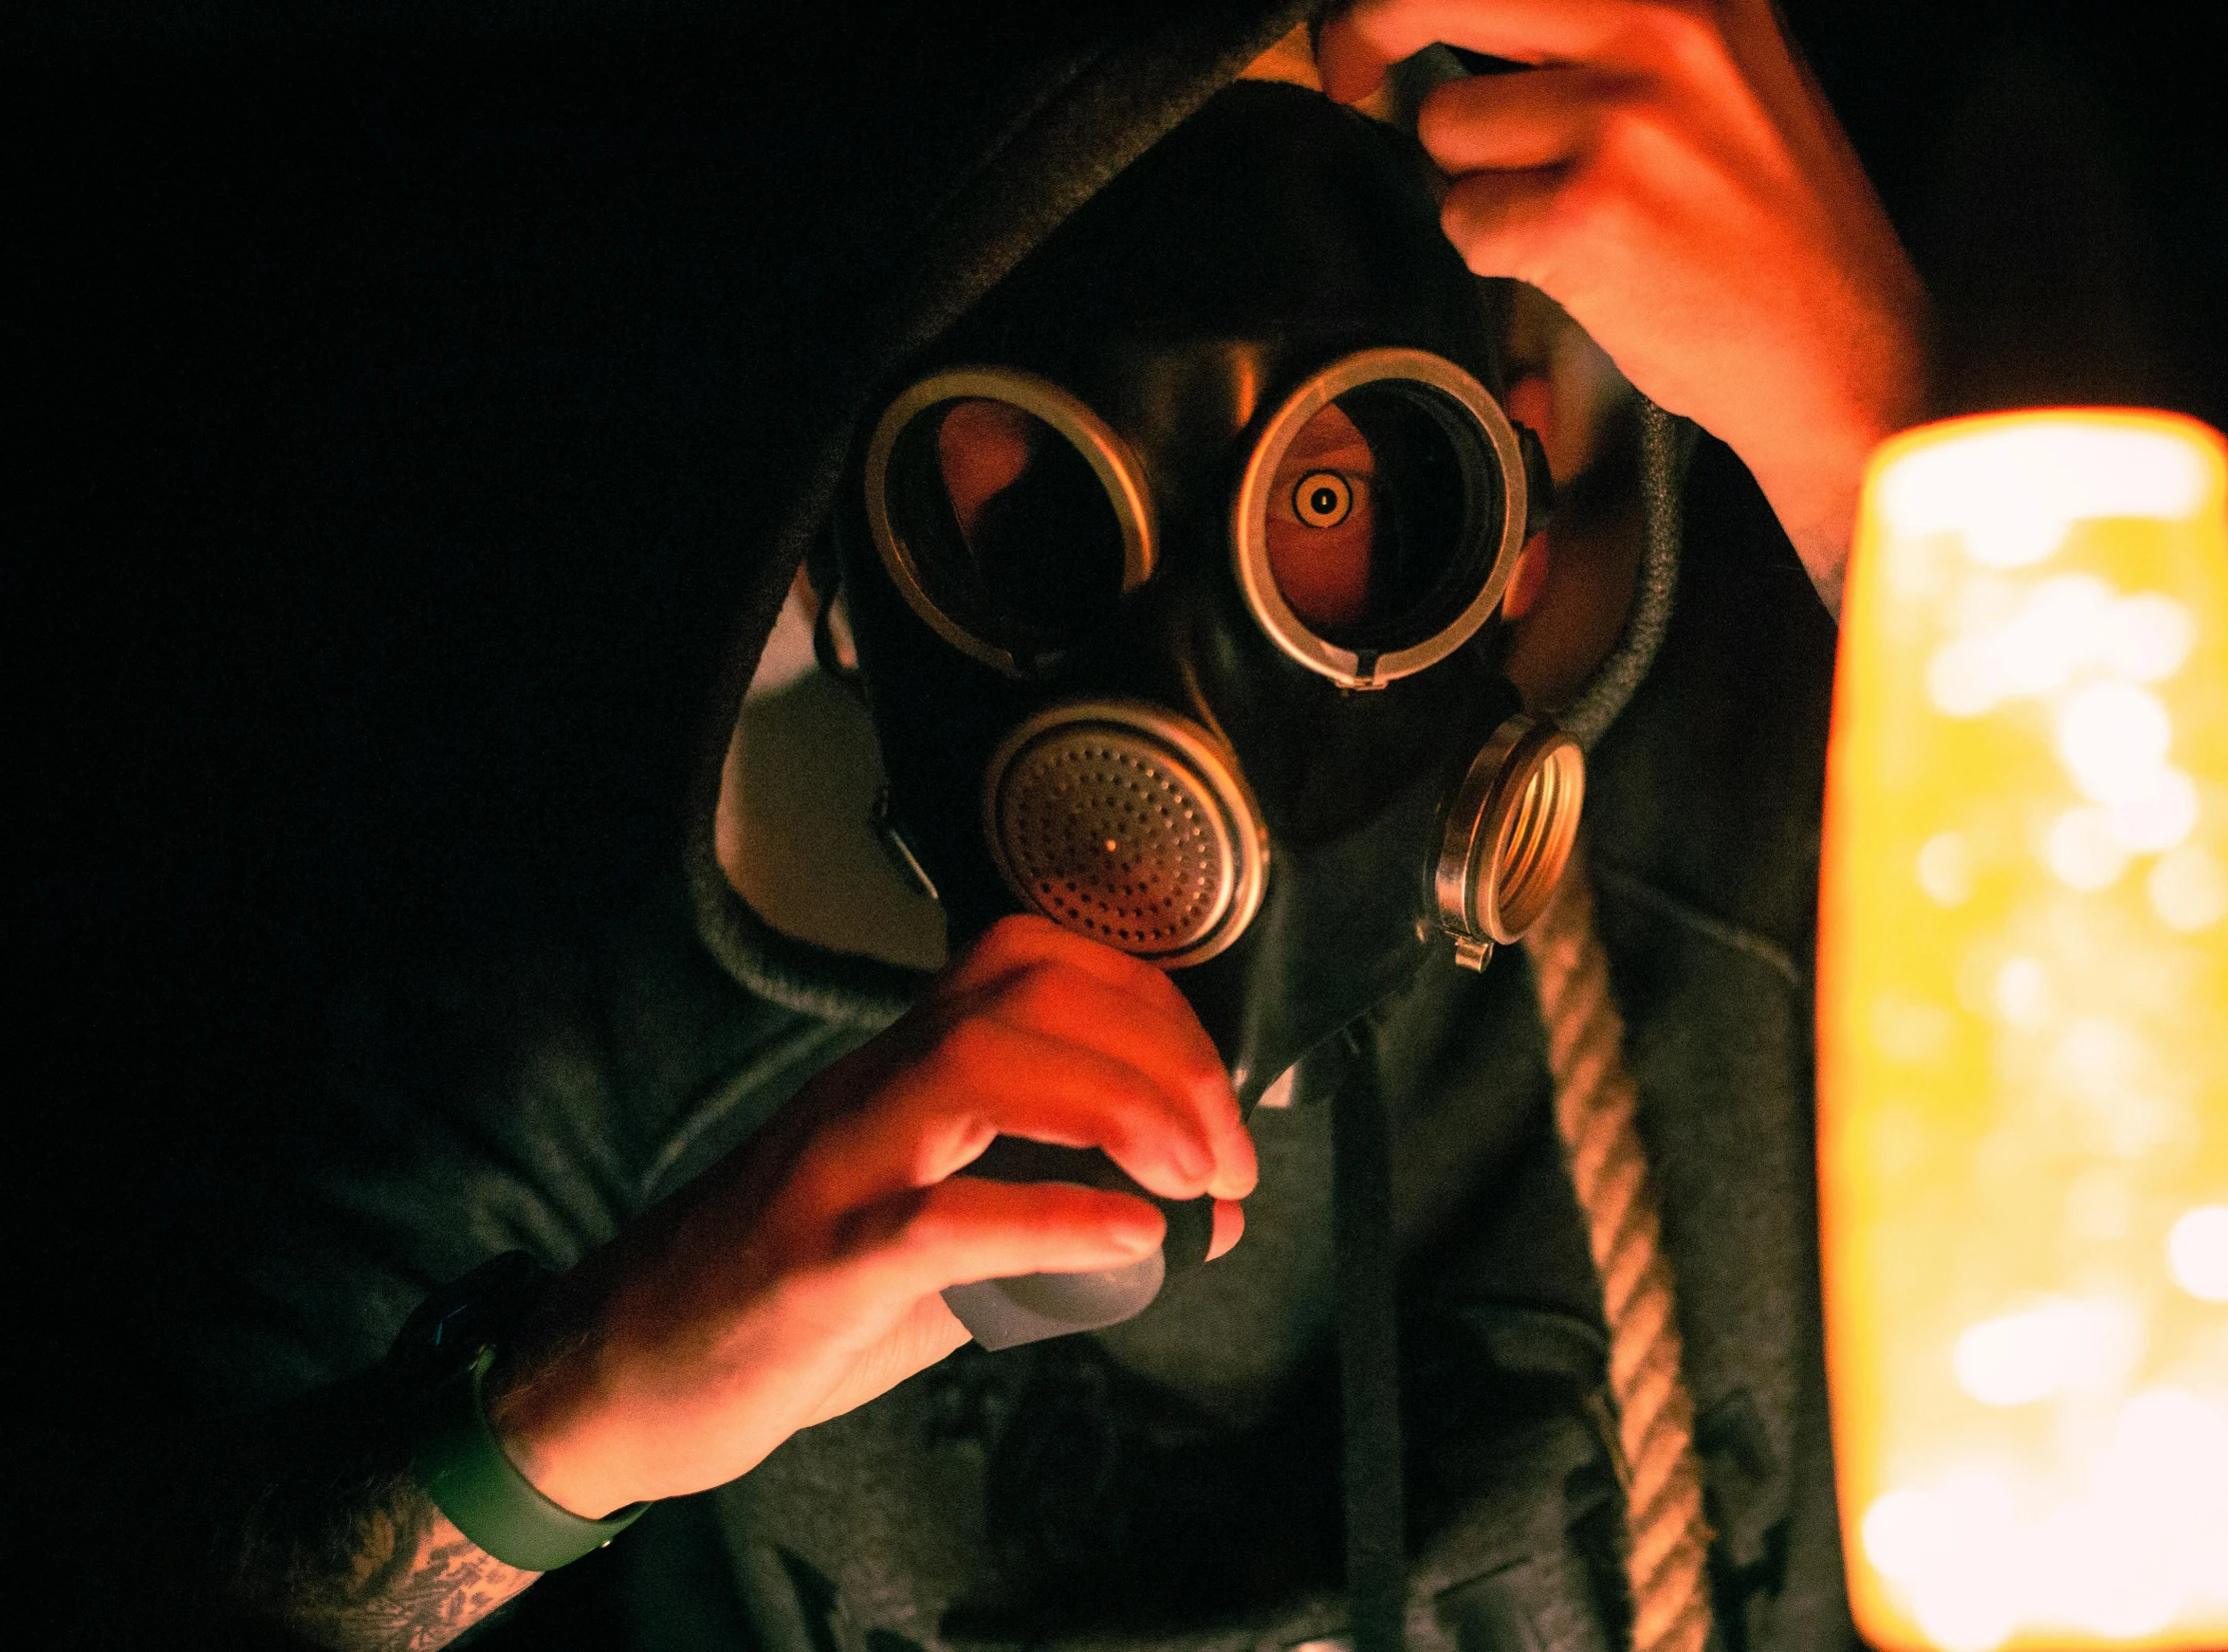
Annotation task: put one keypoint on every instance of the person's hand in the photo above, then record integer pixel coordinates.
(800, 1277)
(1671, 174)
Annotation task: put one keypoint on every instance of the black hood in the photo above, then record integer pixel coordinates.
(487, 371)
(1000, 127)
(480, 372)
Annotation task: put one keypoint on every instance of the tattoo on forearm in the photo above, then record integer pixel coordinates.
(340, 1545)
(413, 1582)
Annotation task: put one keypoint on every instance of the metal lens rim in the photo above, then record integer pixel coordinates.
(1108, 454)
(1191, 747)
(1346, 666)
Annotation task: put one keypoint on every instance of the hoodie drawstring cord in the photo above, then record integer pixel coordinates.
(1368, 1351)
(1597, 1107)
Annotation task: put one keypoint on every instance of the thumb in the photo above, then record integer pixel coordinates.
(1350, 64)
(919, 1340)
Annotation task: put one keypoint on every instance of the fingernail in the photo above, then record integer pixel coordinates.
(1136, 1233)
(1235, 1185)
(1229, 1227)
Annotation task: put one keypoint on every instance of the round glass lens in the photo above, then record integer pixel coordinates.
(1010, 530)
(1383, 517)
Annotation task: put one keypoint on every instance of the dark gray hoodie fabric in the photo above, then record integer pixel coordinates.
(500, 377)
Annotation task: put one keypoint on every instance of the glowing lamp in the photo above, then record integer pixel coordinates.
(2023, 1037)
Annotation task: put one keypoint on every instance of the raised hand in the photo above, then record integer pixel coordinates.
(1671, 174)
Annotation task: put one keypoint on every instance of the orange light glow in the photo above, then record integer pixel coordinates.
(2023, 1037)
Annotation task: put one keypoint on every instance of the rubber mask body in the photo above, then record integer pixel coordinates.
(1270, 236)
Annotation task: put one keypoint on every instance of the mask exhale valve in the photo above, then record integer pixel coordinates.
(1508, 834)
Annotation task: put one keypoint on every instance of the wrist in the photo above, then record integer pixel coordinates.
(1814, 481)
(543, 1407)
(463, 1468)
(469, 1470)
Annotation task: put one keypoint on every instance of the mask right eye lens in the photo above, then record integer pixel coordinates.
(1380, 520)
(1012, 529)
(1380, 514)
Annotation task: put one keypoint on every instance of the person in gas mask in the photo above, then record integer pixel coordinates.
(1179, 568)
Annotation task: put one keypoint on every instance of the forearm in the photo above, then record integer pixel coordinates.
(1808, 453)
(320, 1528)
(393, 1573)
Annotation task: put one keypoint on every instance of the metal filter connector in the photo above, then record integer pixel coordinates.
(1508, 834)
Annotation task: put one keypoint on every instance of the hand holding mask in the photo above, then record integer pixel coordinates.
(800, 1276)
(1671, 174)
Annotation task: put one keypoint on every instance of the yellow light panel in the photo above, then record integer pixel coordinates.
(2023, 1037)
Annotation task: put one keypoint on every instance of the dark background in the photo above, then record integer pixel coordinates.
(385, 422)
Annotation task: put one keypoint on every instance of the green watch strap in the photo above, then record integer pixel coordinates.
(464, 1470)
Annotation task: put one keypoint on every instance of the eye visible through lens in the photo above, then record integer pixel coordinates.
(1379, 517)
(1320, 527)
(1323, 499)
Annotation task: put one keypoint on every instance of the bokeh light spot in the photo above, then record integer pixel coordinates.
(2197, 1256)
(2112, 740)
(2057, 1344)
(2156, 819)
(2082, 850)
(1945, 869)
(2147, 637)
(2023, 995)
(1963, 679)
(2054, 634)
(2188, 890)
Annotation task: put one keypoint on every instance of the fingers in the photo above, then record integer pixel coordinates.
(1015, 944)
(985, 1078)
(1507, 224)
(1079, 990)
(1030, 975)
(1357, 47)
(1164, 1043)
(1036, 1033)
(1540, 118)
(916, 1243)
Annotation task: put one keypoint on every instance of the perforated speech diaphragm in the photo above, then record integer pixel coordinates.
(1128, 823)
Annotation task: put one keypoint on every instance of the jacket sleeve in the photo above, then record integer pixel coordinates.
(532, 1097)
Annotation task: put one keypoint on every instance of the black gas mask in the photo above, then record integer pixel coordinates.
(1174, 575)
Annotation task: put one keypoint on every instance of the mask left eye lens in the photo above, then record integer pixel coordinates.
(1007, 514)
